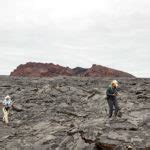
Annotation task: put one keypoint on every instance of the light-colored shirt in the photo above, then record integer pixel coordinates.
(7, 103)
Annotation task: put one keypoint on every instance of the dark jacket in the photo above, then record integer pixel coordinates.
(110, 91)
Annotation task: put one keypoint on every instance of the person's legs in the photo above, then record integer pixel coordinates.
(115, 103)
(3, 114)
(110, 104)
(5, 117)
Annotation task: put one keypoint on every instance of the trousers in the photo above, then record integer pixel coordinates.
(113, 105)
(5, 117)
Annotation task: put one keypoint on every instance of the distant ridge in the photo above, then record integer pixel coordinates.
(33, 69)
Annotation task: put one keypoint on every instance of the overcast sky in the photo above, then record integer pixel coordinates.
(113, 33)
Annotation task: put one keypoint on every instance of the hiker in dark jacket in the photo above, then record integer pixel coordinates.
(112, 98)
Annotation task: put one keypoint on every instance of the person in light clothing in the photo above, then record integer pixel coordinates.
(7, 104)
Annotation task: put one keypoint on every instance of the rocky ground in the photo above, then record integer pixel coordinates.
(70, 113)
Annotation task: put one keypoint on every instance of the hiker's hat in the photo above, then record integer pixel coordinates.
(115, 82)
(7, 97)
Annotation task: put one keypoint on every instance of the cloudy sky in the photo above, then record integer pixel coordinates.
(113, 33)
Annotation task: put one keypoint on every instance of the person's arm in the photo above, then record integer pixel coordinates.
(11, 103)
(116, 92)
(108, 92)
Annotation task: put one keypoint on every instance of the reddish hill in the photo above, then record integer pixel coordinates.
(41, 70)
(101, 71)
(32, 69)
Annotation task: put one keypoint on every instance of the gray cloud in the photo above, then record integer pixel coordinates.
(76, 33)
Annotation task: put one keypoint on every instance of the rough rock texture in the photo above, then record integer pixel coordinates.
(51, 70)
(79, 71)
(70, 113)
